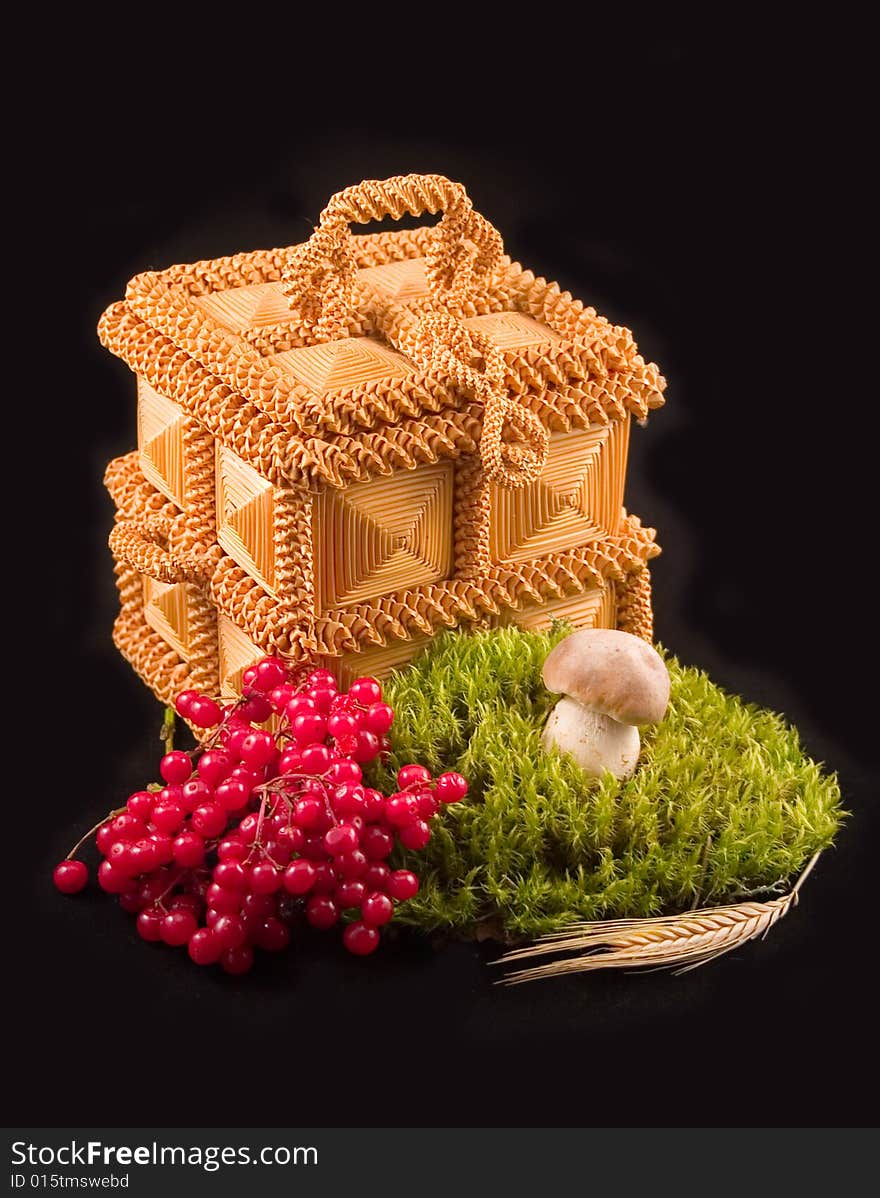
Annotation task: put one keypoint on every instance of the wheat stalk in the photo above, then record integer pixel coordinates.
(686, 940)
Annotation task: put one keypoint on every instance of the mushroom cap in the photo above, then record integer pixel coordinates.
(611, 672)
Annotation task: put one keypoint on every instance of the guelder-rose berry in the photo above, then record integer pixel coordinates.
(415, 835)
(379, 718)
(344, 772)
(271, 935)
(402, 884)
(175, 767)
(299, 877)
(376, 876)
(350, 865)
(309, 727)
(255, 708)
(299, 705)
(232, 794)
(230, 931)
(401, 809)
(214, 766)
(258, 748)
(377, 842)
(126, 827)
(167, 817)
(231, 875)
(186, 902)
(315, 759)
(450, 787)
(193, 793)
(189, 850)
(177, 927)
(365, 691)
(226, 901)
(341, 724)
(281, 696)
(307, 813)
(269, 823)
(162, 852)
(427, 804)
(349, 894)
(366, 747)
(321, 678)
(413, 775)
(204, 947)
(258, 906)
(321, 911)
(209, 819)
(247, 829)
(112, 879)
(204, 712)
(141, 805)
(231, 848)
(340, 839)
(70, 876)
(360, 938)
(322, 697)
(265, 878)
(268, 673)
(377, 909)
(184, 701)
(149, 923)
(130, 901)
(374, 805)
(325, 878)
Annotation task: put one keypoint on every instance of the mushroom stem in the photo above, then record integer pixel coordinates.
(597, 742)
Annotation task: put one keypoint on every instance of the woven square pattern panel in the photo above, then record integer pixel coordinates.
(349, 444)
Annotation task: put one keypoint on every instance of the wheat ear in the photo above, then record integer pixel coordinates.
(686, 940)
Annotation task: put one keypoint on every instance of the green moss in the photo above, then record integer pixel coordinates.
(724, 804)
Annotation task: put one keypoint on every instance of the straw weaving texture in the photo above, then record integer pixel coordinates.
(347, 445)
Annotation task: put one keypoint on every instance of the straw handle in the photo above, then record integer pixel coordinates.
(319, 276)
(137, 543)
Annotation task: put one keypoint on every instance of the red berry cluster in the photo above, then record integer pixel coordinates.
(259, 828)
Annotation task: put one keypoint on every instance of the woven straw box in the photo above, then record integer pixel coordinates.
(349, 445)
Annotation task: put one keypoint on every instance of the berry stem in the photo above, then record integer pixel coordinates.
(169, 724)
(91, 832)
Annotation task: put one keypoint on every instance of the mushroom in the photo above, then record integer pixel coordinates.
(610, 682)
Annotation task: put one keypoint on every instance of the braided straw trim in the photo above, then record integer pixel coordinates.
(200, 527)
(686, 941)
(281, 454)
(222, 352)
(422, 611)
(133, 496)
(255, 611)
(294, 561)
(268, 446)
(150, 656)
(320, 275)
(444, 345)
(133, 541)
(291, 626)
(550, 383)
(634, 611)
(267, 266)
(138, 543)
(281, 457)
(599, 348)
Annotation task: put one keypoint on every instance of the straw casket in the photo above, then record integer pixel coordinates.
(349, 445)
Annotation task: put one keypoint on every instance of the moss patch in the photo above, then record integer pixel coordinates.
(724, 804)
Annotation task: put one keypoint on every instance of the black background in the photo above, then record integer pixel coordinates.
(699, 185)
